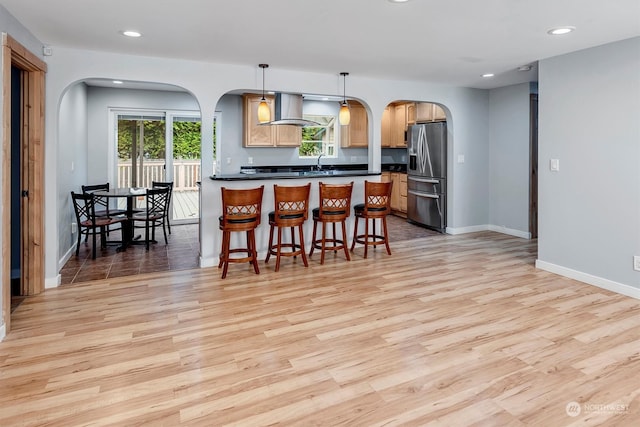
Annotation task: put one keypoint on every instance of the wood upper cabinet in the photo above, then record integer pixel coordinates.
(429, 112)
(385, 137)
(356, 133)
(398, 136)
(257, 135)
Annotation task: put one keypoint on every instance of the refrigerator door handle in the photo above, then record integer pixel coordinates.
(425, 180)
(426, 195)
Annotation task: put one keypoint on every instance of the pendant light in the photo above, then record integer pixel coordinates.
(345, 115)
(264, 111)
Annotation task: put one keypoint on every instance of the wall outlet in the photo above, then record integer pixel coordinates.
(636, 262)
(250, 160)
(228, 160)
(353, 159)
(554, 165)
(74, 228)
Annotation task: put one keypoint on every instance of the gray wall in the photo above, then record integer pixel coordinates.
(589, 211)
(72, 160)
(509, 158)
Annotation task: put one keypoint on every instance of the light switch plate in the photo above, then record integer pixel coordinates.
(460, 158)
(636, 263)
(554, 165)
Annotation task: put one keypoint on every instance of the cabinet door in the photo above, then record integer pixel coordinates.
(424, 112)
(385, 138)
(288, 136)
(356, 133)
(411, 113)
(438, 113)
(403, 191)
(255, 134)
(395, 192)
(399, 126)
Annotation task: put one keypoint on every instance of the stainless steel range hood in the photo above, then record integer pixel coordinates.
(288, 111)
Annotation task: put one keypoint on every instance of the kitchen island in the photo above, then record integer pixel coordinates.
(288, 177)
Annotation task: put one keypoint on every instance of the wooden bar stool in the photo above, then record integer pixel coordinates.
(241, 210)
(335, 207)
(291, 210)
(377, 205)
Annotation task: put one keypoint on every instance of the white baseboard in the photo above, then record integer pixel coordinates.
(52, 282)
(589, 279)
(489, 227)
(62, 261)
(510, 231)
(470, 229)
(208, 262)
(3, 331)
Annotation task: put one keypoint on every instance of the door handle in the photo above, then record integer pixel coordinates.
(425, 195)
(25, 193)
(425, 180)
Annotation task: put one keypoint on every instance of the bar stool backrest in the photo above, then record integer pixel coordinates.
(335, 200)
(291, 203)
(377, 198)
(241, 209)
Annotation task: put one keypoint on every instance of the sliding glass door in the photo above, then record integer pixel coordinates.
(141, 149)
(161, 146)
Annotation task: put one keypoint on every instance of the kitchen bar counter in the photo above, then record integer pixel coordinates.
(252, 173)
(287, 178)
(333, 173)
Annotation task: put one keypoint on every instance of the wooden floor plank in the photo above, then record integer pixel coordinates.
(449, 330)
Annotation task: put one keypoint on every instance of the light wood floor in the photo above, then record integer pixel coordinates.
(448, 331)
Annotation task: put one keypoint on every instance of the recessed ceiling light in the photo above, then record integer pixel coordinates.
(558, 31)
(398, 1)
(117, 82)
(131, 33)
(488, 75)
(525, 68)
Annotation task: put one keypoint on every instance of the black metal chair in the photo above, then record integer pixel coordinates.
(161, 184)
(89, 224)
(155, 213)
(102, 202)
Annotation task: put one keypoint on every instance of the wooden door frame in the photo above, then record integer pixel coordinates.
(32, 165)
(533, 165)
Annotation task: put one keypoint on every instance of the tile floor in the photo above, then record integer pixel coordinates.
(180, 254)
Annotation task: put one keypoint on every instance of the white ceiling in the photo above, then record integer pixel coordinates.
(450, 42)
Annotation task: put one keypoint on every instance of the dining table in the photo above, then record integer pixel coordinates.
(131, 195)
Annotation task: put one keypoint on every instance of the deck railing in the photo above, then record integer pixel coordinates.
(186, 173)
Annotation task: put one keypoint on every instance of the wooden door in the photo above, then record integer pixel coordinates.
(31, 112)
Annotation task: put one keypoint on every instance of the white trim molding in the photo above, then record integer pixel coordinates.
(52, 282)
(510, 231)
(3, 331)
(470, 229)
(589, 279)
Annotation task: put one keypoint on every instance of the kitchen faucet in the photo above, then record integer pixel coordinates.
(319, 166)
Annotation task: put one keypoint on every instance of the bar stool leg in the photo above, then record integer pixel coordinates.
(313, 238)
(302, 252)
(270, 244)
(355, 233)
(251, 242)
(386, 235)
(345, 241)
(366, 236)
(279, 248)
(324, 242)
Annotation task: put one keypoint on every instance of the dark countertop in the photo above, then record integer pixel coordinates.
(303, 174)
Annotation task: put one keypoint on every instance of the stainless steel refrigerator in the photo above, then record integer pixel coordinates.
(427, 175)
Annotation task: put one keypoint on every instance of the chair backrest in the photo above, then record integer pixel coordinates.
(164, 184)
(241, 209)
(157, 201)
(377, 198)
(335, 200)
(100, 201)
(84, 208)
(291, 202)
